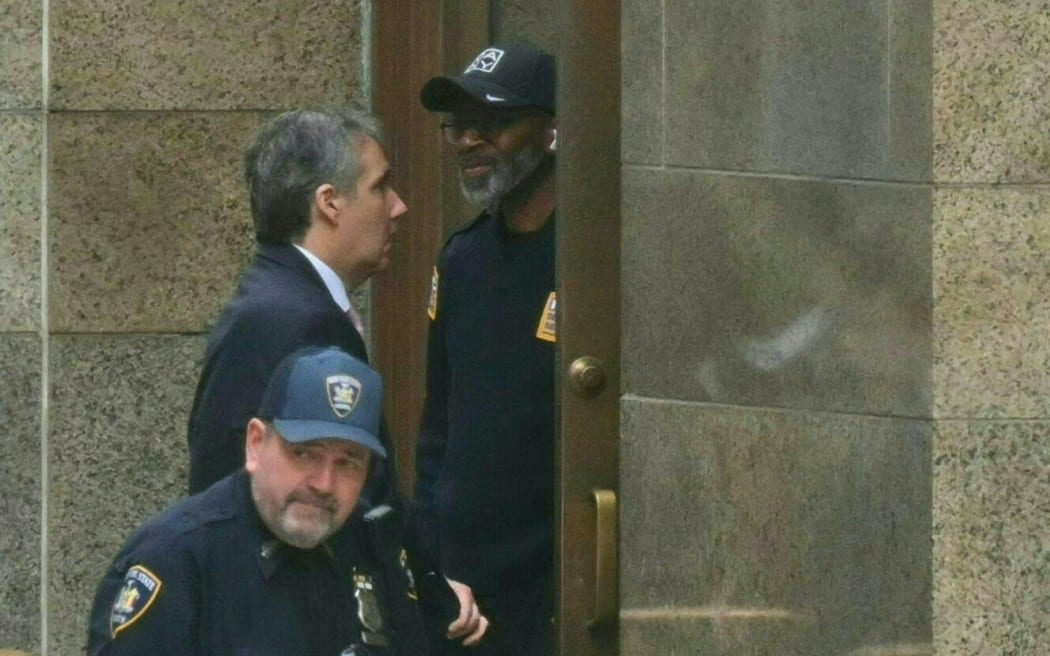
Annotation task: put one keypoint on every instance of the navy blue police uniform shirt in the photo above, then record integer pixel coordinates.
(207, 577)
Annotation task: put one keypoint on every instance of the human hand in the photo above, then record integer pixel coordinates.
(471, 625)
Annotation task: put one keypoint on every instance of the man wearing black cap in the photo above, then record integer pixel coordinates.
(259, 563)
(485, 483)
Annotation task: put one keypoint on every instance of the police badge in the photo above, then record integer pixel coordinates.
(343, 392)
(432, 302)
(368, 611)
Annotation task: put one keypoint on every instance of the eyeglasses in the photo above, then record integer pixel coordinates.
(487, 126)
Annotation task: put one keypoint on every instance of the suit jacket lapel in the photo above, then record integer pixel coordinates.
(289, 257)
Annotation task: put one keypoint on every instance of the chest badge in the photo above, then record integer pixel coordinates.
(403, 561)
(138, 593)
(368, 611)
(547, 330)
(432, 304)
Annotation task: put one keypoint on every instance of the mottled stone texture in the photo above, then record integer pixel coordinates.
(991, 261)
(799, 87)
(751, 529)
(20, 47)
(149, 106)
(991, 327)
(774, 292)
(20, 139)
(150, 223)
(641, 92)
(991, 93)
(185, 54)
(533, 21)
(992, 545)
(20, 358)
(711, 634)
(117, 455)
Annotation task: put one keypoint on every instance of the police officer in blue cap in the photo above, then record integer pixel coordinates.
(275, 558)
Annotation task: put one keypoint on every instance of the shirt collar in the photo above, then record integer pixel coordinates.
(330, 278)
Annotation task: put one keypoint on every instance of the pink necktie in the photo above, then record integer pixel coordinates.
(355, 319)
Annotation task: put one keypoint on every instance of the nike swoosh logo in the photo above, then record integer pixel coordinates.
(491, 98)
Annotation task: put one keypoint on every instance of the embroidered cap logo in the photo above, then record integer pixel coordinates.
(485, 62)
(343, 393)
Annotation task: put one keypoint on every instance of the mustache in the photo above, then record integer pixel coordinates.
(324, 502)
(469, 161)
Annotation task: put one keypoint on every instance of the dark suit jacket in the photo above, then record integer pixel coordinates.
(281, 304)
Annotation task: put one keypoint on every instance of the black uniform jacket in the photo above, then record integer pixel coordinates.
(280, 305)
(485, 456)
(206, 577)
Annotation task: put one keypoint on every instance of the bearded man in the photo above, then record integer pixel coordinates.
(275, 558)
(484, 497)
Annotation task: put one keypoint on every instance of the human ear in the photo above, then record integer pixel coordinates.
(254, 436)
(326, 200)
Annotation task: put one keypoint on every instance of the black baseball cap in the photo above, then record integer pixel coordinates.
(323, 393)
(502, 75)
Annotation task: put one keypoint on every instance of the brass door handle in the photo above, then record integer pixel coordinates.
(606, 560)
(588, 376)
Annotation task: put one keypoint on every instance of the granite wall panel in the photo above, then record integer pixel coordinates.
(991, 91)
(991, 553)
(189, 55)
(119, 406)
(806, 88)
(806, 529)
(21, 23)
(713, 632)
(20, 408)
(20, 175)
(150, 223)
(991, 272)
(777, 292)
(642, 88)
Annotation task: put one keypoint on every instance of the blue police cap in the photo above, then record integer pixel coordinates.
(323, 393)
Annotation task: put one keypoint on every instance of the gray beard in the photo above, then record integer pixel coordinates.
(504, 178)
(286, 526)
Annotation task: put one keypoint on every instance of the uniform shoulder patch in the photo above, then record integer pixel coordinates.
(547, 330)
(138, 593)
(432, 304)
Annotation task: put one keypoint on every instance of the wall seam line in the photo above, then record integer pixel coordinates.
(889, 156)
(663, 82)
(45, 345)
(367, 54)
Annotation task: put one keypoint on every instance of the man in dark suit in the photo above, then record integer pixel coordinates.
(324, 215)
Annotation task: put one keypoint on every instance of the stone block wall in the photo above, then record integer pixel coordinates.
(835, 270)
(123, 226)
(991, 319)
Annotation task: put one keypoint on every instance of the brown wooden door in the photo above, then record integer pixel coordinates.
(415, 41)
(588, 326)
